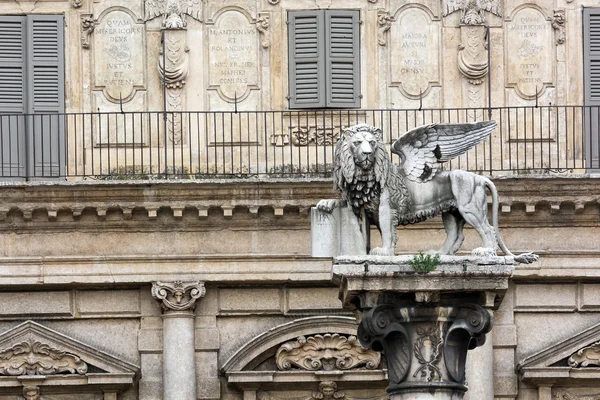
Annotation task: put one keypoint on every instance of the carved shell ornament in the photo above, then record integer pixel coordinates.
(37, 358)
(326, 352)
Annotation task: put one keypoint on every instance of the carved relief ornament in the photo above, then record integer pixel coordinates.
(87, 28)
(37, 358)
(562, 394)
(384, 19)
(325, 352)
(558, 23)
(174, 12)
(472, 10)
(76, 3)
(262, 26)
(588, 356)
(178, 295)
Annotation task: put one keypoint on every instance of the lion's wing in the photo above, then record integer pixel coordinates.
(423, 149)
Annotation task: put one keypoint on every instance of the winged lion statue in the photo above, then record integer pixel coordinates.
(417, 188)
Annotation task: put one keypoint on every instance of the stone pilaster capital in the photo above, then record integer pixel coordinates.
(178, 295)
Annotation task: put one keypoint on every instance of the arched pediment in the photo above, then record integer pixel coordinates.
(305, 351)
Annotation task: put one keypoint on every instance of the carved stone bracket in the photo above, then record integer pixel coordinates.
(472, 11)
(174, 12)
(384, 19)
(326, 352)
(37, 358)
(87, 28)
(588, 356)
(178, 295)
(262, 26)
(432, 341)
(558, 23)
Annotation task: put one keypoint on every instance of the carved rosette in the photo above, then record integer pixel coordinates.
(588, 356)
(178, 295)
(37, 358)
(326, 352)
(87, 28)
(431, 341)
(558, 23)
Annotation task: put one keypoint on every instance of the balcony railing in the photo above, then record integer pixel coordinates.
(223, 144)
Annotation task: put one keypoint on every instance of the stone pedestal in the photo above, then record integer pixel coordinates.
(424, 323)
(178, 300)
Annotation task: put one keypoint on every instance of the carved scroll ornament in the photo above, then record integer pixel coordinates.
(178, 296)
(262, 26)
(384, 20)
(87, 28)
(326, 352)
(37, 358)
(588, 356)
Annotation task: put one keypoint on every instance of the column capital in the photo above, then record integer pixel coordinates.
(178, 295)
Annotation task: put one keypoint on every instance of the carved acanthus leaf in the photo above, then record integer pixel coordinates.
(588, 356)
(37, 358)
(325, 352)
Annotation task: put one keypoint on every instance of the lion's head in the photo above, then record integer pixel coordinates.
(360, 152)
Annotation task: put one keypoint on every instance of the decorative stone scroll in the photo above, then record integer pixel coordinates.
(119, 54)
(233, 53)
(530, 53)
(558, 23)
(414, 51)
(325, 352)
(588, 356)
(178, 295)
(37, 358)
(174, 12)
(87, 28)
(472, 10)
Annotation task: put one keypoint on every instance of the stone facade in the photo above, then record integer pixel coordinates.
(206, 289)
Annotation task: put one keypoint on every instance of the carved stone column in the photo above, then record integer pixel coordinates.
(424, 323)
(178, 300)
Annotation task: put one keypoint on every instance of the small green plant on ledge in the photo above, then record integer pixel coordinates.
(424, 262)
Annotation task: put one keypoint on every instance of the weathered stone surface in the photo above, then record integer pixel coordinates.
(247, 300)
(108, 302)
(36, 303)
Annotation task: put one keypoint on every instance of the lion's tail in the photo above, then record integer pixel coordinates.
(526, 258)
(495, 204)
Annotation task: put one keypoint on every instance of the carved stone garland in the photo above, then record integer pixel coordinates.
(37, 358)
(325, 352)
(588, 356)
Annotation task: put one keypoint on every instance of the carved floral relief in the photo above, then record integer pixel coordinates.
(37, 358)
(326, 352)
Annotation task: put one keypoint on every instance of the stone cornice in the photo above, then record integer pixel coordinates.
(37, 205)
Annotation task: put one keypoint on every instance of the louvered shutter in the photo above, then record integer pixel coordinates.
(306, 59)
(12, 100)
(592, 55)
(343, 65)
(46, 94)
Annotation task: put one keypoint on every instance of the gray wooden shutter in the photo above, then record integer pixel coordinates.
(46, 94)
(343, 63)
(12, 100)
(306, 59)
(591, 36)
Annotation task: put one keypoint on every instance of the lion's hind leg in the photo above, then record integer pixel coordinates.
(453, 224)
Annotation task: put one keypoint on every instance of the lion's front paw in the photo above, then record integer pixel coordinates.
(327, 205)
(527, 258)
(382, 251)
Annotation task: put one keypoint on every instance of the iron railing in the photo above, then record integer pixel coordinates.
(222, 144)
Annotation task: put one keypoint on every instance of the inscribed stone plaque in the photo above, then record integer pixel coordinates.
(529, 52)
(233, 55)
(414, 58)
(119, 54)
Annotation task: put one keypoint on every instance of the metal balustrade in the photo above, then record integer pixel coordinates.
(228, 144)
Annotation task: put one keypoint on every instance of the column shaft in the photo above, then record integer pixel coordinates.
(179, 357)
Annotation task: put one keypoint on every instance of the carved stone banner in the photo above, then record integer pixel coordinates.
(530, 52)
(119, 54)
(37, 358)
(414, 51)
(325, 352)
(233, 51)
